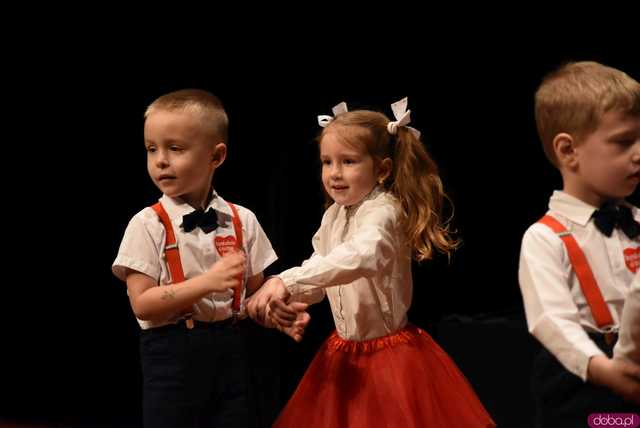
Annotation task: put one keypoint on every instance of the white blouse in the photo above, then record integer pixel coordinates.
(363, 264)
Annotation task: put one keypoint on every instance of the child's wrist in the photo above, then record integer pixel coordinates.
(280, 287)
(597, 364)
(283, 290)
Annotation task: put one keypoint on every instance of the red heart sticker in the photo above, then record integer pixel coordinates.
(632, 258)
(224, 244)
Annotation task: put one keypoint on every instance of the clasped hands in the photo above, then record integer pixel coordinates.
(271, 306)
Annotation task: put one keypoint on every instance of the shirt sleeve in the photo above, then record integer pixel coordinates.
(312, 295)
(552, 315)
(369, 251)
(628, 346)
(260, 252)
(139, 249)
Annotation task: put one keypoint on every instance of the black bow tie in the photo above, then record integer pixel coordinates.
(207, 221)
(611, 216)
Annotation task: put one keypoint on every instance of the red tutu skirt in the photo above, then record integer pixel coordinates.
(402, 380)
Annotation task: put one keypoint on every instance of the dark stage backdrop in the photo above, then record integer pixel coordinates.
(72, 357)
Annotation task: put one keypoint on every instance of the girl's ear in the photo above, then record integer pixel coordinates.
(564, 147)
(219, 154)
(385, 170)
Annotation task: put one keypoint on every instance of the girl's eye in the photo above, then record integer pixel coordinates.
(150, 149)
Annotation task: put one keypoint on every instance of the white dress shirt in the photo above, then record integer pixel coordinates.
(557, 312)
(628, 346)
(362, 262)
(143, 243)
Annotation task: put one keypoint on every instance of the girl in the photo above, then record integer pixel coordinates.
(376, 370)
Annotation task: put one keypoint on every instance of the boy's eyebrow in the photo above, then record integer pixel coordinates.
(174, 140)
(625, 133)
(166, 141)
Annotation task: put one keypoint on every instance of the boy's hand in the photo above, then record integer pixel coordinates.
(285, 314)
(257, 304)
(223, 274)
(621, 376)
(294, 329)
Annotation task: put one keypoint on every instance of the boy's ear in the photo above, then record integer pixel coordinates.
(219, 154)
(564, 147)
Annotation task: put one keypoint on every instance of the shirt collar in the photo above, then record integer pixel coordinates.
(351, 209)
(577, 211)
(176, 207)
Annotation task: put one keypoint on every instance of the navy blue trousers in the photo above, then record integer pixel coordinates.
(562, 399)
(195, 378)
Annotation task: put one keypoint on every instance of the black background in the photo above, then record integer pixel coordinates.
(71, 356)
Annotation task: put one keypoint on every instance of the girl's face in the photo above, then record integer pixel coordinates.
(348, 174)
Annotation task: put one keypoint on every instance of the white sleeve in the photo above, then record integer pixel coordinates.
(140, 248)
(259, 249)
(552, 316)
(365, 254)
(312, 295)
(628, 346)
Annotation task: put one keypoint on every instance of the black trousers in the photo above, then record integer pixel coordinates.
(563, 400)
(195, 378)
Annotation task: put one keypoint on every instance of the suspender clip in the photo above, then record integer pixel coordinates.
(610, 335)
(189, 323)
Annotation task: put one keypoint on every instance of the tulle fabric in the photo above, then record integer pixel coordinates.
(401, 380)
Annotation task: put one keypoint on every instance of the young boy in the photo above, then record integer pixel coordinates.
(574, 263)
(188, 262)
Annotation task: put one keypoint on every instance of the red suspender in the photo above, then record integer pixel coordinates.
(237, 292)
(172, 254)
(588, 284)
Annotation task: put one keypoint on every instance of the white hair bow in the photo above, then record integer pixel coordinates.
(403, 118)
(324, 120)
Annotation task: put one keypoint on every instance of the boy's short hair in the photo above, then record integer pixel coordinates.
(196, 101)
(574, 98)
